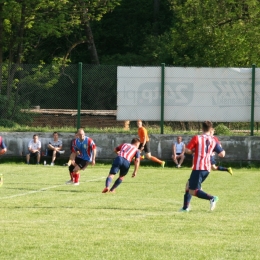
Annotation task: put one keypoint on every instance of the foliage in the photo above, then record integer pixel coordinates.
(222, 130)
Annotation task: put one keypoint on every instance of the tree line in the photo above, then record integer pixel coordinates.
(55, 33)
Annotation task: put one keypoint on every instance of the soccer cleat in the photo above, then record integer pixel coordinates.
(75, 183)
(184, 210)
(105, 190)
(69, 182)
(213, 202)
(229, 169)
(112, 191)
(52, 164)
(162, 164)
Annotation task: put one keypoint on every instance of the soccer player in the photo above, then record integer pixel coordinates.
(202, 146)
(84, 149)
(212, 158)
(125, 153)
(145, 144)
(3, 148)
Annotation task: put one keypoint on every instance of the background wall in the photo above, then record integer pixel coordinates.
(237, 148)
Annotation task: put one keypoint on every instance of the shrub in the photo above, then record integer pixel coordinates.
(222, 130)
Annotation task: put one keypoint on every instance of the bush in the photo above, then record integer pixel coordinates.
(7, 123)
(222, 130)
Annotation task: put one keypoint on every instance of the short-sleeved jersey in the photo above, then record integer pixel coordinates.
(128, 151)
(203, 146)
(2, 144)
(85, 148)
(35, 146)
(56, 143)
(142, 133)
(179, 147)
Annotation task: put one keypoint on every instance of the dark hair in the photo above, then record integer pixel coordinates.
(55, 133)
(135, 140)
(35, 135)
(206, 126)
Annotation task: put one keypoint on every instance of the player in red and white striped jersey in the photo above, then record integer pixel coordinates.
(125, 154)
(202, 146)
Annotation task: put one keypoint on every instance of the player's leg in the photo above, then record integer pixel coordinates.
(197, 177)
(124, 168)
(79, 165)
(186, 198)
(53, 158)
(113, 171)
(150, 157)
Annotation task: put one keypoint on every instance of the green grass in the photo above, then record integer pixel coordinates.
(42, 218)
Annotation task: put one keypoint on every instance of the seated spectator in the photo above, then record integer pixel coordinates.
(3, 148)
(178, 150)
(34, 149)
(54, 148)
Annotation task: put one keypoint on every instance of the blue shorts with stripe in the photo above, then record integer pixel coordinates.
(120, 164)
(196, 178)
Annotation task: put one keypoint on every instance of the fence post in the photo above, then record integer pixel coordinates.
(162, 96)
(79, 92)
(253, 101)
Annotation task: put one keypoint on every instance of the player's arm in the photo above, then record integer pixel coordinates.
(3, 149)
(137, 163)
(189, 149)
(94, 156)
(219, 150)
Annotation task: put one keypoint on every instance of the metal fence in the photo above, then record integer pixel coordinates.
(73, 95)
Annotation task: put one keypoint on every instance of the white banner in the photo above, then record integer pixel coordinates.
(190, 94)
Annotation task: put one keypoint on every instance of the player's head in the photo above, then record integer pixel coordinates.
(212, 131)
(81, 134)
(136, 142)
(139, 123)
(206, 126)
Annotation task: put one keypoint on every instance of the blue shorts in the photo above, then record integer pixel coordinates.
(120, 164)
(196, 178)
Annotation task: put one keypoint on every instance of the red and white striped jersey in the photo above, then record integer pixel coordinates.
(203, 146)
(128, 151)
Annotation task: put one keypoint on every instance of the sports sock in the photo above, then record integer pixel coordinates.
(71, 176)
(108, 181)
(76, 177)
(221, 168)
(203, 195)
(186, 199)
(116, 184)
(155, 159)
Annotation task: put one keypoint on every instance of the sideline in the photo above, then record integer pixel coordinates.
(44, 189)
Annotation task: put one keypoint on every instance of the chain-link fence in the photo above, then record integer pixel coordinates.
(50, 95)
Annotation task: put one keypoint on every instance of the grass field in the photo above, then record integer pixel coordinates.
(42, 218)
